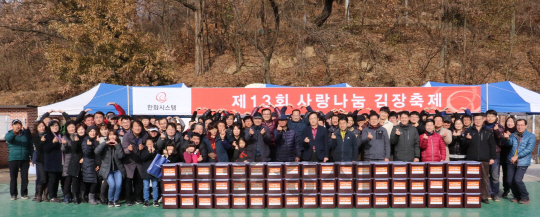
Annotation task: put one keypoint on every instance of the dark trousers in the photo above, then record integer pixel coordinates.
(14, 167)
(494, 172)
(515, 179)
(52, 182)
(104, 193)
(258, 158)
(484, 185)
(506, 184)
(72, 186)
(91, 188)
(134, 187)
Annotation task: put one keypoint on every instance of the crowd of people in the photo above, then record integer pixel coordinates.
(99, 158)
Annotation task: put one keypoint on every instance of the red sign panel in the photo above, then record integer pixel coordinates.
(325, 99)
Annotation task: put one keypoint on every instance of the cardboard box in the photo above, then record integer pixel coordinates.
(205, 186)
(187, 186)
(346, 170)
(222, 186)
(222, 201)
(417, 201)
(187, 171)
(170, 201)
(417, 170)
(205, 171)
(257, 170)
(188, 201)
(400, 200)
(293, 170)
(170, 171)
(363, 201)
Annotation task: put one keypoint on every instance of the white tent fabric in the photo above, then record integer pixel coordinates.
(73, 105)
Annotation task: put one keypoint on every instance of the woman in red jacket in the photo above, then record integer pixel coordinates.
(432, 144)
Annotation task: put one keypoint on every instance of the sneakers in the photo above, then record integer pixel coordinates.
(513, 200)
(116, 204)
(524, 201)
(156, 203)
(111, 204)
(129, 203)
(496, 198)
(486, 201)
(145, 204)
(103, 202)
(138, 202)
(67, 199)
(505, 194)
(13, 197)
(56, 200)
(25, 197)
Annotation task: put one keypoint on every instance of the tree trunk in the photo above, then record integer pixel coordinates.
(199, 42)
(327, 10)
(266, 69)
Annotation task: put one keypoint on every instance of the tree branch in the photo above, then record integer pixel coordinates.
(327, 10)
(188, 5)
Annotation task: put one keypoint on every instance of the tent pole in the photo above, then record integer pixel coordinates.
(534, 125)
(487, 96)
(128, 99)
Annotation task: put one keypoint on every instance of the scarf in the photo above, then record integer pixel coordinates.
(430, 134)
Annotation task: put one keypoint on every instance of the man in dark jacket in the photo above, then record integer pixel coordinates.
(20, 152)
(501, 153)
(344, 143)
(375, 140)
(315, 141)
(258, 139)
(404, 140)
(481, 147)
(287, 142)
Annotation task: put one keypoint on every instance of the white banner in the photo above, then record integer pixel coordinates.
(161, 101)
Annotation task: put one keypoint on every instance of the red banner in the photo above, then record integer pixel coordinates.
(349, 99)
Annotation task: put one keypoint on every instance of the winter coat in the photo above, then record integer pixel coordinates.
(456, 147)
(191, 158)
(178, 140)
(19, 146)
(203, 145)
(221, 149)
(66, 151)
(132, 159)
(240, 155)
(482, 145)
(111, 158)
(345, 149)
(499, 135)
(52, 160)
(75, 148)
(407, 145)
(147, 158)
(378, 148)
(521, 147)
(433, 148)
(258, 140)
(89, 160)
(287, 145)
(320, 142)
(38, 146)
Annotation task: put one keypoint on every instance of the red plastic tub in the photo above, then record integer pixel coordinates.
(293, 170)
(274, 201)
(257, 186)
(310, 186)
(417, 170)
(345, 186)
(204, 171)
(346, 170)
(328, 186)
(239, 170)
(417, 201)
(454, 169)
(436, 185)
(257, 201)
(309, 170)
(436, 200)
(170, 186)
(364, 170)
(400, 201)
(170, 171)
(293, 186)
(454, 186)
(188, 201)
(222, 171)
(205, 201)
(239, 186)
(186, 171)
(292, 201)
(274, 186)
(222, 201)
(170, 201)
(345, 201)
(310, 201)
(222, 186)
(187, 186)
(239, 201)
(364, 186)
(381, 170)
(400, 186)
(400, 170)
(257, 170)
(327, 201)
(327, 170)
(417, 186)
(204, 186)
(472, 185)
(454, 201)
(436, 170)
(473, 169)
(381, 201)
(381, 186)
(364, 201)
(472, 200)
(275, 170)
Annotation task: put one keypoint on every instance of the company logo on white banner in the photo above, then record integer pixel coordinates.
(161, 101)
